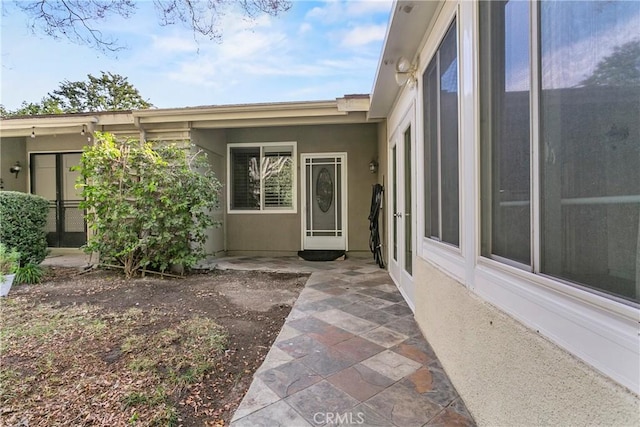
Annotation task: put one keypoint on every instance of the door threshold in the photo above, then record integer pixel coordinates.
(322, 255)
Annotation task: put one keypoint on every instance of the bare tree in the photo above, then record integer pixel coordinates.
(80, 21)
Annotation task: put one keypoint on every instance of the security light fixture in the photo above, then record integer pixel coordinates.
(373, 166)
(15, 168)
(405, 72)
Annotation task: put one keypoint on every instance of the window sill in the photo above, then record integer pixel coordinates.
(262, 212)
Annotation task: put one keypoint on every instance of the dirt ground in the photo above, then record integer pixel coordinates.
(250, 307)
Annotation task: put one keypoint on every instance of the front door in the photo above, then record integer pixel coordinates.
(324, 191)
(53, 179)
(401, 208)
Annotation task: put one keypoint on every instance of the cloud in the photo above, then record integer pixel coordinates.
(339, 10)
(368, 7)
(304, 28)
(363, 35)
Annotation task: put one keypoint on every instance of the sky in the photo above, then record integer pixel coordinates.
(318, 50)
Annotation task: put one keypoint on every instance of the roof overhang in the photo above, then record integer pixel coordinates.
(407, 26)
(178, 122)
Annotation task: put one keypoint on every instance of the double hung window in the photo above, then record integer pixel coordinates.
(560, 140)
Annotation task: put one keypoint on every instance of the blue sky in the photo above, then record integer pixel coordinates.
(315, 51)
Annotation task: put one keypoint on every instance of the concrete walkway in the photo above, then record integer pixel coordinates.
(349, 353)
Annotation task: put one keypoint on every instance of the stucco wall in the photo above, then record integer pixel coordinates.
(280, 233)
(12, 150)
(508, 374)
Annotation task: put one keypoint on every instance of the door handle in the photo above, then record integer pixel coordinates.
(397, 215)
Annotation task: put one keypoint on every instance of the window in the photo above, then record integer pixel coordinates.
(582, 108)
(440, 95)
(262, 177)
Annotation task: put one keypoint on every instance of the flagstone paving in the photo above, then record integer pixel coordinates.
(349, 354)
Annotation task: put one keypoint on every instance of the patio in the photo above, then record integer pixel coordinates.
(349, 353)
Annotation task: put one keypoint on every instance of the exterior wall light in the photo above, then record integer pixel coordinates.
(15, 168)
(33, 132)
(373, 166)
(405, 72)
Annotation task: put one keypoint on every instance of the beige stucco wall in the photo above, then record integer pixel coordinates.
(12, 150)
(279, 234)
(57, 143)
(508, 374)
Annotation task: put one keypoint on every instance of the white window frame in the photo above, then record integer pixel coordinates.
(599, 329)
(294, 179)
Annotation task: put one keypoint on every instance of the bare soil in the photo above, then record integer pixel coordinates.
(126, 325)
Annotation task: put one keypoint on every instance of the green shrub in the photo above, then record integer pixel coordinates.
(148, 206)
(23, 217)
(8, 261)
(29, 274)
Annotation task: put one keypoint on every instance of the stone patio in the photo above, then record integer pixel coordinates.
(349, 353)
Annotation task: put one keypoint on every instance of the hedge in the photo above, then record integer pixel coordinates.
(23, 218)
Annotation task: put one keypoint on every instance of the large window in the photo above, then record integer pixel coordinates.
(262, 177)
(579, 114)
(440, 94)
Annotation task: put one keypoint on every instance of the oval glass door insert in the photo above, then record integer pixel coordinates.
(324, 190)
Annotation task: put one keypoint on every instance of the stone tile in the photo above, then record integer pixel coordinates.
(363, 415)
(407, 325)
(370, 313)
(459, 406)
(421, 381)
(387, 287)
(335, 291)
(359, 348)
(280, 414)
(300, 346)
(403, 406)
(384, 337)
(387, 296)
(296, 314)
(287, 332)
(399, 309)
(275, 358)
(331, 335)
(450, 418)
(258, 396)
(391, 365)
(413, 351)
(374, 302)
(319, 400)
(360, 382)
(442, 391)
(346, 321)
(289, 378)
(328, 362)
(309, 294)
(308, 324)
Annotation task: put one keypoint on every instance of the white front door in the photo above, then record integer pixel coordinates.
(401, 209)
(324, 192)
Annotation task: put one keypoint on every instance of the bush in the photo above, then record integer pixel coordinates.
(23, 217)
(148, 206)
(29, 274)
(8, 261)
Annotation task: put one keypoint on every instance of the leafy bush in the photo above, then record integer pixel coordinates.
(148, 207)
(23, 217)
(29, 274)
(8, 261)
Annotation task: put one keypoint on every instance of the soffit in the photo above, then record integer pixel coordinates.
(408, 24)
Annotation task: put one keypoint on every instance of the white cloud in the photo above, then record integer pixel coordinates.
(339, 10)
(304, 28)
(368, 7)
(363, 35)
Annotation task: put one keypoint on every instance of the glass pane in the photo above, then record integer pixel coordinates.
(590, 154)
(505, 120)
(339, 193)
(408, 252)
(277, 173)
(245, 178)
(323, 206)
(394, 177)
(448, 70)
(432, 186)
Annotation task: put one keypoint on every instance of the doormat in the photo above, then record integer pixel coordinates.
(319, 255)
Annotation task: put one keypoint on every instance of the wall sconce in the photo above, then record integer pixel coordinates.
(405, 72)
(33, 132)
(373, 166)
(84, 130)
(15, 168)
